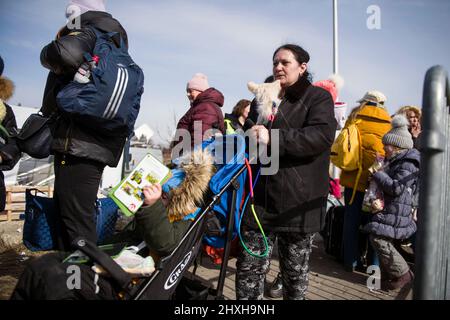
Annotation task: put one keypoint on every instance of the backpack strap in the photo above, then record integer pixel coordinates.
(114, 36)
(360, 168)
(4, 131)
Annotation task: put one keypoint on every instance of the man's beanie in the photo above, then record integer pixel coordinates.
(2, 66)
(399, 135)
(198, 82)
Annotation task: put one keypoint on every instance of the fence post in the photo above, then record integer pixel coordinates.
(433, 235)
(9, 200)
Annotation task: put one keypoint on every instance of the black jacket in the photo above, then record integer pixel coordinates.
(63, 56)
(294, 199)
(233, 123)
(9, 150)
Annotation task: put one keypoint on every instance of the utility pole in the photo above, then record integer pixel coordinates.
(335, 38)
(335, 172)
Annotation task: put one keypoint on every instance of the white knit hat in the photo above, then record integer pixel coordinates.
(79, 7)
(399, 136)
(373, 96)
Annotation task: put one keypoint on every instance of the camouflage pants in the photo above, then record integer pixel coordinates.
(294, 250)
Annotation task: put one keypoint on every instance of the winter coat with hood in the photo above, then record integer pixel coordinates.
(205, 108)
(294, 199)
(161, 227)
(63, 56)
(373, 123)
(398, 182)
(9, 151)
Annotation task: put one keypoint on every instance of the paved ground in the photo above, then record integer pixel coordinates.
(328, 280)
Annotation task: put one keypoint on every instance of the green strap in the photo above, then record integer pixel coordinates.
(4, 131)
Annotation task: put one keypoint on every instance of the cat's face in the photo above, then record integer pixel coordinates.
(265, 92)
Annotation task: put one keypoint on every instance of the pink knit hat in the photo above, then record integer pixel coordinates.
(198, 82)
(333, 84)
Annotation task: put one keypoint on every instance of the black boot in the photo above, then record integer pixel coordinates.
(276, 287)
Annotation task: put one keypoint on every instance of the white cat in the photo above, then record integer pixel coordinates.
(267, 98)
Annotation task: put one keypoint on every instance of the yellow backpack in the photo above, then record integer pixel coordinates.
(346, 151)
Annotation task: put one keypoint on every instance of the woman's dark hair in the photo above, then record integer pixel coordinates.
(300, 54)
(269, 79)
(239, 108)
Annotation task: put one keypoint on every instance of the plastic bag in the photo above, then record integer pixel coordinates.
(373, 198)
(373, 201)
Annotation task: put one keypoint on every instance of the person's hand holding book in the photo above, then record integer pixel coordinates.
(152, 193)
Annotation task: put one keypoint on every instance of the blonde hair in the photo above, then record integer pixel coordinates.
(404, 110)
(6, 88)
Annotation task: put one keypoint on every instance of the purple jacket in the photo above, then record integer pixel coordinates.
(205, 108)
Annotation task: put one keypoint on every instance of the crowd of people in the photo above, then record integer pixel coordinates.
(291, 204)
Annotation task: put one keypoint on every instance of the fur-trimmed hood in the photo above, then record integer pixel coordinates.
(184, 199)
(6, 88)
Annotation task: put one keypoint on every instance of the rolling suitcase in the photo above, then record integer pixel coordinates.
(332, 232)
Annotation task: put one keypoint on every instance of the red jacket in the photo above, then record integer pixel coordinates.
(205, 108)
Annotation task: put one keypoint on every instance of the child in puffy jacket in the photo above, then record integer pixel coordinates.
(398, 182)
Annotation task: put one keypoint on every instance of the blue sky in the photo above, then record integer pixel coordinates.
(232, 41)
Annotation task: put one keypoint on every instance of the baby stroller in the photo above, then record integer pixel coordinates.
(226, 190)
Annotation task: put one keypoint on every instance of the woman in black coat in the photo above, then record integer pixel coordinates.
(9, 152)
(291, 204)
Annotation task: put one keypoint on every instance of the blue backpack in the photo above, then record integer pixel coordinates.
(110, 102)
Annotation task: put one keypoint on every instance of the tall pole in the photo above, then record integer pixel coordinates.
(335, 172)
(335, 38)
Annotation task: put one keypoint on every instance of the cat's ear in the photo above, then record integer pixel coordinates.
(252, 86)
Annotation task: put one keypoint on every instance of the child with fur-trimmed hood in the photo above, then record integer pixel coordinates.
(169, 209)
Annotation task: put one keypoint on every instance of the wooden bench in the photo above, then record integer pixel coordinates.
(15, 200)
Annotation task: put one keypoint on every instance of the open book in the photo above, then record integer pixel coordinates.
(128, 194)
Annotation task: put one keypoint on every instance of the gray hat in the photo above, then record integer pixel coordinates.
(399, 135)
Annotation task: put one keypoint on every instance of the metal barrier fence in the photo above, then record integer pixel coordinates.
(433, 236)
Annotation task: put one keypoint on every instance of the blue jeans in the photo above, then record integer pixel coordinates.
(354, 218)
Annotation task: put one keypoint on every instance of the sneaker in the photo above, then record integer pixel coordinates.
(276, 288)
(401, 281)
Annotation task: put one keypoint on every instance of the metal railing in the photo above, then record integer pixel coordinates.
(433, 236)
